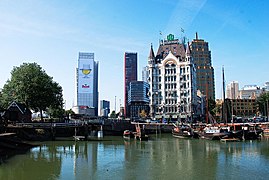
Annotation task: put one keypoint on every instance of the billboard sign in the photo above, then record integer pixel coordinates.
(85, 75)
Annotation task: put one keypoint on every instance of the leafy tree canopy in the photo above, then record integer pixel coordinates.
(263, 102)
(31, 85)
(113, 114)
(143, 114)
(211, 106)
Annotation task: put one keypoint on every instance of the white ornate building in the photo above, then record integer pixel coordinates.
(172, 80)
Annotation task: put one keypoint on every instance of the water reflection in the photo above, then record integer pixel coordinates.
(163, 157)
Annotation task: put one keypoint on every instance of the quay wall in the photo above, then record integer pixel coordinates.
(48, 131)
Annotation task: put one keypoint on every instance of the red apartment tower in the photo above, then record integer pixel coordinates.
(130, 74)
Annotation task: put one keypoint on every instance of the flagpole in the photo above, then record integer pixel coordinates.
(160, 39)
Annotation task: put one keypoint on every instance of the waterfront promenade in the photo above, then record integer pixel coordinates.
(109, 127)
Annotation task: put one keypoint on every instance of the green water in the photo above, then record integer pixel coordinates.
(162, 157)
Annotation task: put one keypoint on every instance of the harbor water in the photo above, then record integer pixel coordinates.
(162, 157)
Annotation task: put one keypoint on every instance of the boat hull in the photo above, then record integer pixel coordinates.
(182, 135)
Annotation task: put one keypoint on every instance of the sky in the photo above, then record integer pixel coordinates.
(52, 33)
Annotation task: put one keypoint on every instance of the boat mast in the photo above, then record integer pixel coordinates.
(206, 115)
(224, 114)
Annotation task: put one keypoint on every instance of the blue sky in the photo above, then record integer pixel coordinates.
(52, 33)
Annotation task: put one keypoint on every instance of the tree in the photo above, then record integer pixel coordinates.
(1, 96)
(263, 102)
(211, 106)
(31, 85)
(57, 112)
(69, 112)
(113, 114)
(143, 114)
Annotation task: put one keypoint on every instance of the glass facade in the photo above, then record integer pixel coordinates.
(104, 108)
(130, 74)
(138, 99)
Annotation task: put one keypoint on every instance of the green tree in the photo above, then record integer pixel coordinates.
(69, 112)
(1, 105)
(263, 102)
(211, 106)
(56, 112)
(7, 95)
(31, 85)
(113, 114)
(143, 114)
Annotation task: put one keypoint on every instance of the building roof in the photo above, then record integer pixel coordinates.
(22, 107)
(151, 53)
(188, 51)
(175, 47)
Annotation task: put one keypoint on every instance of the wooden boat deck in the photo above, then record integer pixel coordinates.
(7, 134)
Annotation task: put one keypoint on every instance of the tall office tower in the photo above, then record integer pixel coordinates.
(87, 83)
(145, 74)
(104, 108)
(232, 90)
(138, 99)
(204, 69)
(172, 80)
(130, 74)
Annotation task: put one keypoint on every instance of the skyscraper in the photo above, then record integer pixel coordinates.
(232, 90)
(130, 74)
(204, 69)
(172, 81)
(104, 108)
(87, 82)
(145, 74)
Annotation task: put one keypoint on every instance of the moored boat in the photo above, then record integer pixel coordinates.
(251, 132)
(266, 132)
(214, 133)
(182, 131)
(236, 131)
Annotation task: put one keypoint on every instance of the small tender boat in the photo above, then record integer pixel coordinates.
(140, 134)
(79, 138)
(127, 134)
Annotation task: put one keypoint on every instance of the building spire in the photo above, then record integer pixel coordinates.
(151, 53)
(196, 35)
(188, 51)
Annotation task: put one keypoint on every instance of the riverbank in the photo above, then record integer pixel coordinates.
(11, 145)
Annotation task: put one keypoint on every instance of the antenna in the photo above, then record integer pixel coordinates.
(160, 39)
(115, 103)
